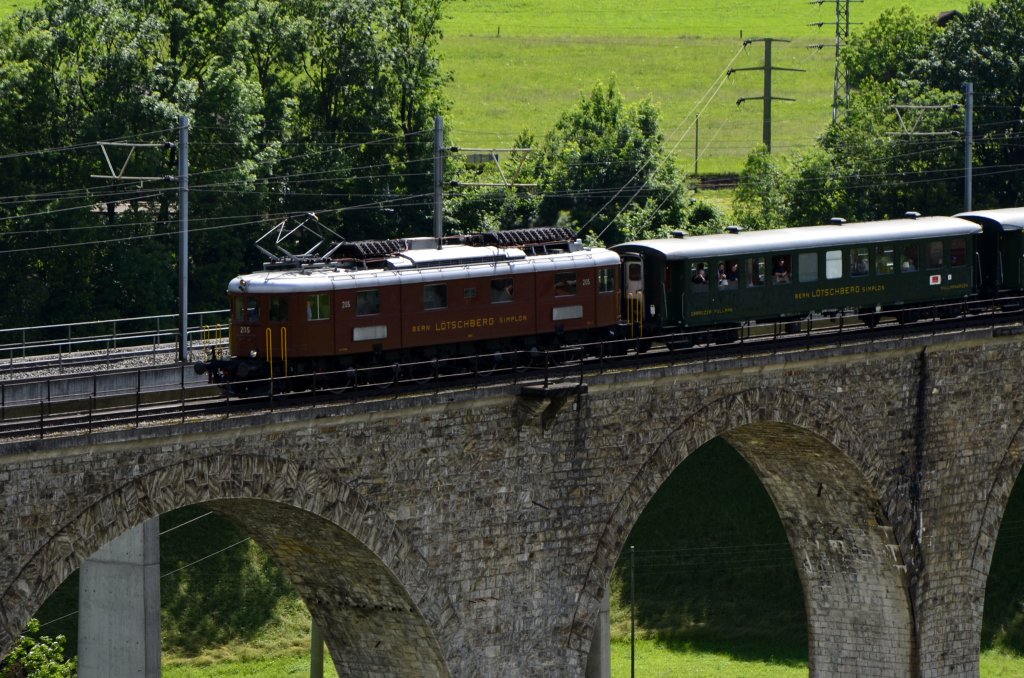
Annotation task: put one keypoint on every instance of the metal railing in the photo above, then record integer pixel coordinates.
(158, 333)
(58, 405)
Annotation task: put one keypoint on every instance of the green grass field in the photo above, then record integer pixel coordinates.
(518, 64)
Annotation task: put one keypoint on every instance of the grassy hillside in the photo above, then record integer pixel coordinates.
(517, 64)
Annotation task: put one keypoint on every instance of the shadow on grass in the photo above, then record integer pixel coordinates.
(228, 596)
(712, 568)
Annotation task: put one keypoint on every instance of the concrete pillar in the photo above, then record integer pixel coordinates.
(119, 607)
(316, 652)
(599, 662)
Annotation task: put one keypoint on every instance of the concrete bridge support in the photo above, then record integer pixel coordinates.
(119, 607)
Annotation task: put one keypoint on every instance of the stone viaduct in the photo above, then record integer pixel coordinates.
(473, 532)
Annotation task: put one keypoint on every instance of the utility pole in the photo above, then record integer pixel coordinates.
(968, 145)
(119, 174)
(438, 179)
(183, 234)
(767, 97)
(841, 82)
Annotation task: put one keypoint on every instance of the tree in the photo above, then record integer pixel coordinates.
(761, 199)
(604, 165)
(900, 146)
(37, 656)
(892, 47)
(295, 105)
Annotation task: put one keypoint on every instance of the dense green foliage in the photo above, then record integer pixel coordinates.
(602, 169)
(37, 656)
(900, 146)
(295, 106)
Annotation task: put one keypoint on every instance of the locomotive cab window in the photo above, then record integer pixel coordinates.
(278, 312)
(909, 258)
(501, 290)
(435, 296)
(318, 307)
(251, 313)
(957, 252)
(565, 284)
(606, 280)
(885, 260)
(933, 254)
(833, 264)
(469, 294)
(699, 276)
(807, 267)
(755, 272)
(368, 302)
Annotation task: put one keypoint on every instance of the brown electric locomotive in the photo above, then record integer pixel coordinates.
(404, 302)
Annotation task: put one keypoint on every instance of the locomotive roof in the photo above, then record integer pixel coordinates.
(1010, 219)
(805, 237)
(450, 263)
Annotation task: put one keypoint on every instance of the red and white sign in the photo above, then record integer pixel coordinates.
(935, 280)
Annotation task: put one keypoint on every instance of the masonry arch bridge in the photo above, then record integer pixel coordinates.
(484, 524)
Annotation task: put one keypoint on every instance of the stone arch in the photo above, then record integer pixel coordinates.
(398, 588)
(1004, 478)
(851, 568)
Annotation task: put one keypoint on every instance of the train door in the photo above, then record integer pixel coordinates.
(633, 297)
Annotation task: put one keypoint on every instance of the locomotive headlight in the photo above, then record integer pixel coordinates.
(252, 354)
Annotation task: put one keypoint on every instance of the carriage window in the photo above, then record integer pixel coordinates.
(781, 269)
(729, 274)
(933, 254)
(859, 261)
(833, 264)
(278, 309)
(469, 294)
(957, 252)
(885, 260)
(908, 259)
(699, 276)
(606, 280)
(435, 296)
(755, 272)
(318, 307)
(565, 284)
(501, 290)
(633, 271)
(368, 302)
(807, 267)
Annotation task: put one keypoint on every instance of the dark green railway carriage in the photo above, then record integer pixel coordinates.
(1000, 249)
(884, 267)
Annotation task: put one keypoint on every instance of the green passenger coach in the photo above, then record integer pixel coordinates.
(721, 281)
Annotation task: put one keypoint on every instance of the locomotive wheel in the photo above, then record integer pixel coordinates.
(379, 376)
(422, 373)
(487, 364)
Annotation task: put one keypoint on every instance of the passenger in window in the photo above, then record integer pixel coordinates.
(700, 276)
(779, 271)
(721, 273)
(733, 274)
(860, 266)
(908, 265)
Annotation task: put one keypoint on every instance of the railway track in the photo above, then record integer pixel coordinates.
(178, 394)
